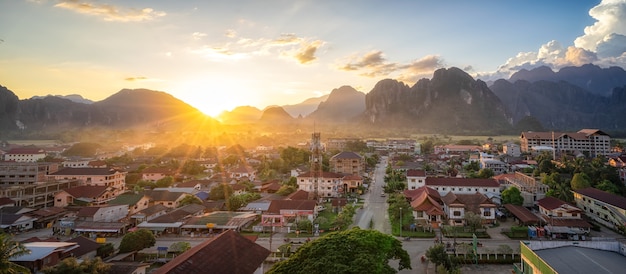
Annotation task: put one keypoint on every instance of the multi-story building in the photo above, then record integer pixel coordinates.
(489, 161)
(487, 187)
(25, 173)
(530, 187)
(591, 142)
(347, 162)
(511, 149)
(606, 208)
(329, 184)
(94, 177)
(339, 144)
(25, 154)
(36, 195)
(415, 178)
(619, 163)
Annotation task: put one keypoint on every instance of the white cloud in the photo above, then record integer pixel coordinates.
(610, 16)
(374, 64)
(110, 12)
(198, 35)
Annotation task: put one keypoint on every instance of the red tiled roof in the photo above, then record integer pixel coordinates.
(570, 223)
(298, 195)
(85, 171)
(353, 177)
(277, 205)
(87, 211)
(26, 150)
(603, 196)
(436, 181)
(6, 201)
(162, 170)
(229, 252)
(86, 191)
(415, 173)
(414, 193)
(550, 203)
(471, 202)
(424, 202)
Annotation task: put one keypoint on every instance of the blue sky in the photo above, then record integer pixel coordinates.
(216, 55)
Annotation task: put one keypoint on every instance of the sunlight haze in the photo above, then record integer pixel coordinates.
(216, 55)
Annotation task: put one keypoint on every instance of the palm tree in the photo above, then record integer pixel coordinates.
(10, 249)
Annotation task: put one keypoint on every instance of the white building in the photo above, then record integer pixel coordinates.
(328, 185)
(25, 155)
(592, 142)
(512, 149)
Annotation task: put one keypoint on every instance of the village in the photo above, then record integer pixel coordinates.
(481, 200)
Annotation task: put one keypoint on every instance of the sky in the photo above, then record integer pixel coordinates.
(216, 55)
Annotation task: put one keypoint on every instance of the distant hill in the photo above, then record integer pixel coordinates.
(276, 115)
(305, 107)
(76, 98)
(598, 81)
(125, 109)
(343, 105)
(451, 102)
(241, 115)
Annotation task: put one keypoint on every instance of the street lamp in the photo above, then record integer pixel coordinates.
(400, 222)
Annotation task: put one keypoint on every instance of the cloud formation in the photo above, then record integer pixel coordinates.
(604, 44)
(110, 12)
(133, 79)
(288, 45)
(374, 64)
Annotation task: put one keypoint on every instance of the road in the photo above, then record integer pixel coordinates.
(374, 213)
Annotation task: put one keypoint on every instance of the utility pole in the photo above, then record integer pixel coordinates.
(400, 222)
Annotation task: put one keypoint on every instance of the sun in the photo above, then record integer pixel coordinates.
(212, 96)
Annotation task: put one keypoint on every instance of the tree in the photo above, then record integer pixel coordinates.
(166, 181)
(8, 250)
(351, 251)
(105, 250)
(189, 200)
(220, 192)
(512, 195)
(180, 247)
(608, 186)
(71, 266)
(473, 220)
(438, 255)
(137, 240)
(580, 181)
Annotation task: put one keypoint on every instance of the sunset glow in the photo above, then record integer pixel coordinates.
(216, 55)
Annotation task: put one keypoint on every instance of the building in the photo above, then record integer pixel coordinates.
(456, 206)
(25, 173)
(549, 257)
(25, 155)
(115, 179)
(562, 218)
(83, 195)
(603, 207)
(463, 185)
(229, 252)
(38, 195)
(329, 184)
(619, 163)
(154, 174)
(489, 161)
(339, 144)
(591, 142)
(511, 149)
(415, 178)
(347, 162)
(530, 187)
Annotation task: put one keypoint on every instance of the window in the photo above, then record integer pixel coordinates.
(456, 213)
(487, 213)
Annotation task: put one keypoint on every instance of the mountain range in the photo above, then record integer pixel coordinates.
(450, 102)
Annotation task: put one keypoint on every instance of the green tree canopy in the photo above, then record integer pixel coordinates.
(82, 149)
(189, 200)
(71, 266)
(580, 181)
(220, 192)
(137, 240)
(9, 249)
(438, 255)
(512, 195)
(350, 251)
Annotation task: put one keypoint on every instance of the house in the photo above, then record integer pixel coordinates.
(415, 178)
(603, 207)
(25, 155)
(347, 162)
(135, 201)
(462, 185)
(44, 254)
(229, 252)
(83, 195)
(149, 213)
(172, 221)
(109, 213)
(15, 222)
(456, 206)
(562, 216)
(87, 248)
(115, 179)
(287, 212)
(426, 205)
(46, 217)
(217, 221)
(243, 172)
(352, 183)
(167, 198)
(128, 267)
(154, 174)
(298, 195)
(619, 163)
(592, 142)
(454, 149)
(271, 187)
